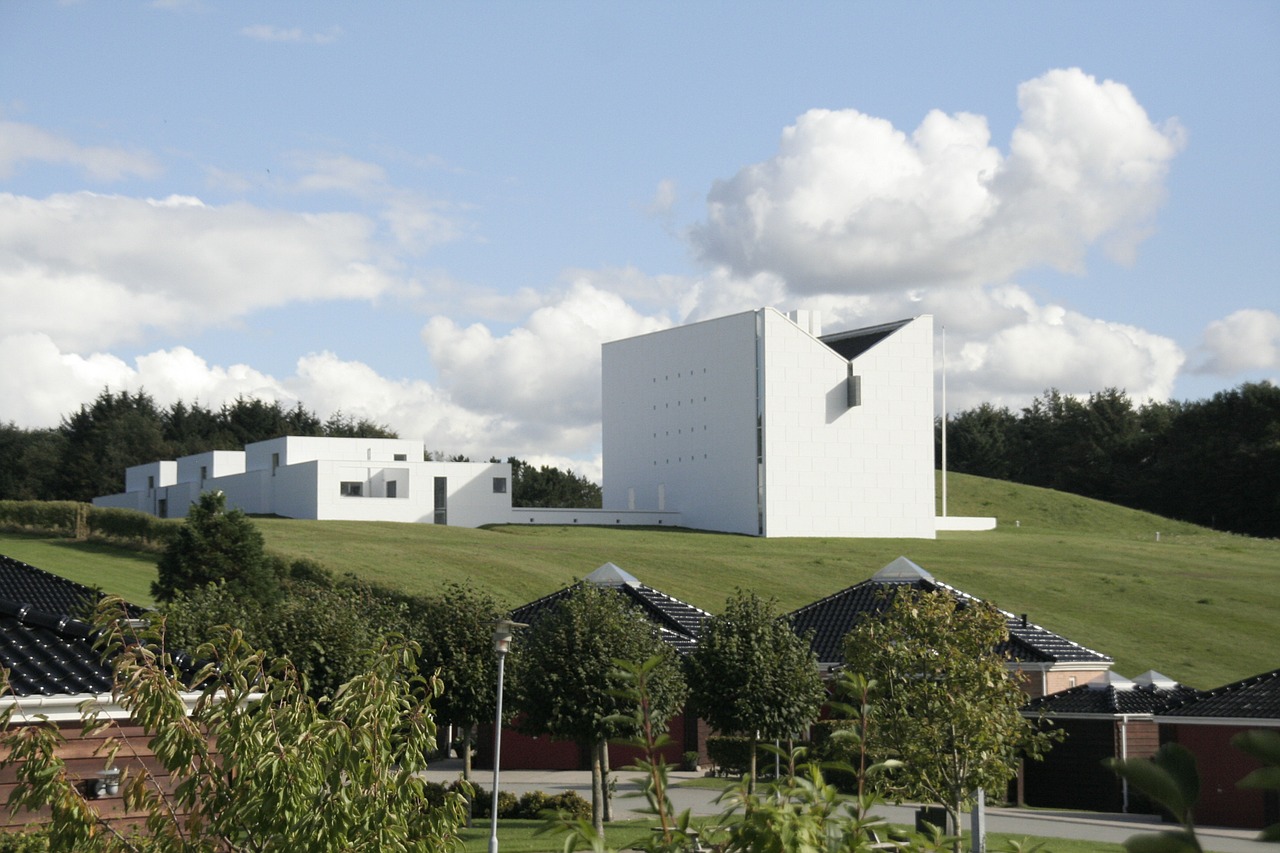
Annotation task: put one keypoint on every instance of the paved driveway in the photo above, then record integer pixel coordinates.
(1087, 826)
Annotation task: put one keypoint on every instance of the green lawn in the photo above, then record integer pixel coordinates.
(1196, 605)
(520, 836)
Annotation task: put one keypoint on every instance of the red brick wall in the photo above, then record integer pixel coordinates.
(1221, 765)
(85, 757)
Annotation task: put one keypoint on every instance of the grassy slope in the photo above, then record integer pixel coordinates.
(1198, 606)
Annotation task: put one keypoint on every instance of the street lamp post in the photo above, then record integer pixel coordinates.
(502, 633)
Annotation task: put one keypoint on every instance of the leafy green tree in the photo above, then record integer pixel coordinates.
(258, 764)
(549, 486)
(215, 544)
(751, 675)
(568, 681)
(26, 458)
(946, 703)
(455, 629)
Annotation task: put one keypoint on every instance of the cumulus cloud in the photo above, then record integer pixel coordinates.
(271, 33)
(93, 270)
(546, 370)
(1246, 340)
(851, 204)
(21, 143)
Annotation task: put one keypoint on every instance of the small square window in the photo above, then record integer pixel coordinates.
(352, 489)
(499, 485)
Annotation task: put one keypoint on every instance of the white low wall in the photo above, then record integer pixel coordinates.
(602, 517)
(964, 522)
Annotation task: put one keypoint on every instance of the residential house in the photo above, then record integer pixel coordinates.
(678, 625)
(1110, 717)
(47, 647)
(1205, 724)
(1046, 662)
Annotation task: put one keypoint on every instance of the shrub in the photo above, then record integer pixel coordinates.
(533, 804)
(570, 803)
(731, 754)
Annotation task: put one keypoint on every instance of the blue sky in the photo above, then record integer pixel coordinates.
(433, 214)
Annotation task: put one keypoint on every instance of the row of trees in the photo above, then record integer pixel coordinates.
(944, 701)
(1214, 462)
(87, 454)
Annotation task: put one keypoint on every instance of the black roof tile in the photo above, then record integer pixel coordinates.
(1113, 697)
(47, 649)
(678, 623)
(1256, 697)
(831, 618)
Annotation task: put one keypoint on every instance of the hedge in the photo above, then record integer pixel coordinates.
(82, 521)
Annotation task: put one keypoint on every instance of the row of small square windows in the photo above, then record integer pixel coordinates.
(681, 432)
(678, 375)
(681, 459)
(678, 402)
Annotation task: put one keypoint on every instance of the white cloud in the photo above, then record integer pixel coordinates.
(850, 204)
(1246, 340)
(21, 143)
(545, 371)
(271, 33)
(91, 270)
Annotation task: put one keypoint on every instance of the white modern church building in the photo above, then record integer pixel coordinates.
(758, 423)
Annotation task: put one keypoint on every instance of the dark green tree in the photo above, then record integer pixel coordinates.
(752, 675)
(26, 459)
(549, 486)
(102, 439)
(215, 544)
(455, 630)
(569, 682)
(946, 703)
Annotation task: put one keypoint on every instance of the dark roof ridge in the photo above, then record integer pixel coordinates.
(1225, 690)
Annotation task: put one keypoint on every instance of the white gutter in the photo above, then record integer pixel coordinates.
(67, 707)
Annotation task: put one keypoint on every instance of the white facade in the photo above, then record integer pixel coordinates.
(349, 479)
(752, 424)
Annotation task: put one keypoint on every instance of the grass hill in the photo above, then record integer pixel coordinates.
(1199, 606)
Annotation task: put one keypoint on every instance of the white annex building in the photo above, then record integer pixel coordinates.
(757, 423)
(349, 479)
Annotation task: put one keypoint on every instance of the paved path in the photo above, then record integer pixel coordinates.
(1086, 826)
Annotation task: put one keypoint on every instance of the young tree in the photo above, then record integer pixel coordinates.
(455, 629)
(214, 545)
(257, 765)
(569, 681)
(751, 674)
(947, 705)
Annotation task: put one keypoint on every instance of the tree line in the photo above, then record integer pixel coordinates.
(87, 453)
(1213, 462)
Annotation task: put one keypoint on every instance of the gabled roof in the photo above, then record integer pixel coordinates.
(1255, 698)
(45, 642)
(678, 623)
(1114, 695)
(832, 617)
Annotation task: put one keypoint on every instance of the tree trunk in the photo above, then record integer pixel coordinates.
(597, 792)
(468, 738)
(953, 826)
(604, 780)
(751, 772)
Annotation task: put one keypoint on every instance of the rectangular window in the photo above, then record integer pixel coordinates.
(499, 485)
(204, 473)
(391, 488)
(441, 485)
(402, 457)
(351, 489)
(162, 508)
(151, 482)
(275, 463)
